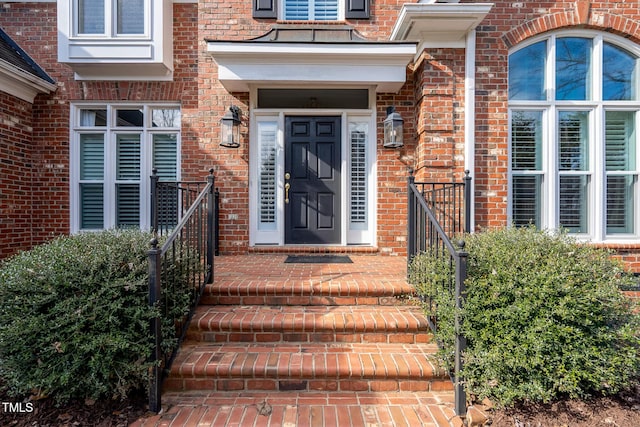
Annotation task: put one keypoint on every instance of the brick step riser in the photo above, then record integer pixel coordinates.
(306, 385)
(298, 300)
(310, 337)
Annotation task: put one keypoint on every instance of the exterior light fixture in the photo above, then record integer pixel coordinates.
(230, 128)
(393, 129)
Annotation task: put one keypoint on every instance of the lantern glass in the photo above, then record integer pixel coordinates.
(230, 128)
(226, 131)
(393, 129)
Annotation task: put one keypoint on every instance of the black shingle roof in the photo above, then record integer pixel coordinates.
(13, 54)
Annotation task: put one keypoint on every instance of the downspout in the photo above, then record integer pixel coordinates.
(470, 115)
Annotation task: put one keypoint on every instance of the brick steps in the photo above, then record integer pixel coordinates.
(274, 328)
(385, 324)
(307, 367)
(325, 291)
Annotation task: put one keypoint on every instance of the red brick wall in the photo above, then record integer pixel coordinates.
(16, 175)
(439, 115)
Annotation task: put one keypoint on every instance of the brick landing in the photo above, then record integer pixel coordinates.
(277, 344)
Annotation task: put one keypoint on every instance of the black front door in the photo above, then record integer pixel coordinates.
(312, 180)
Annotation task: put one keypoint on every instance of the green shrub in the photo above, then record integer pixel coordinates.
(545, 319)
(74, 317)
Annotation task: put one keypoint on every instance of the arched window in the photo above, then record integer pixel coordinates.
(574, 109)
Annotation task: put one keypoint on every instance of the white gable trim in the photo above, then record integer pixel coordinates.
(21, 84)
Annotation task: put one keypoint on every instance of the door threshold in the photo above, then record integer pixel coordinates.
(307, 249)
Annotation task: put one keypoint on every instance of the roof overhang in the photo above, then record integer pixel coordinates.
(22, 84)
(244, 63)
(435, 25)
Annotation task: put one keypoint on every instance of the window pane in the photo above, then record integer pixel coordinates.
(526, 204)
(267, 177)
(130, 17)
(91, 207)
(165, 156)
(620, 157)
(325, 10)
(296, 9)
(165, 117)
(573, 69)
(165, 162)
(128, 157)
(620, 141)
(91, 157)
(619, 79)
(127, 205)
(527, 71)
(573, 203)
(91, 16)
(128, 118)
(620, 204)
(93, 118)
(358, 178)
(573, 142)
(526, 140)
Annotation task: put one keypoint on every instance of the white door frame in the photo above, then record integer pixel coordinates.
(273, 119)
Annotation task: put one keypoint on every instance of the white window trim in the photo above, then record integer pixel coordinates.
(596, 107)
(110, 132)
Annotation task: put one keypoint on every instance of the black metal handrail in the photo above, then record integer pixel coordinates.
(436, 213)
(183, 219)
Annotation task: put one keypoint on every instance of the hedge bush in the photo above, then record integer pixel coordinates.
(544, 318)
(74, 317)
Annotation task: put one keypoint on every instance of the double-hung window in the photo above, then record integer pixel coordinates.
(574, 109)
(110, 18)
(114, 149)
(312, 10)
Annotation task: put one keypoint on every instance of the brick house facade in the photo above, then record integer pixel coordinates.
(453, 94)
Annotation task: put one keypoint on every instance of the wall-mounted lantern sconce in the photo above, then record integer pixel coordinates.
(393, 129)
(230, 128)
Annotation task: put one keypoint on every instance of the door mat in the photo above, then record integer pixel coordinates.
(318, 259)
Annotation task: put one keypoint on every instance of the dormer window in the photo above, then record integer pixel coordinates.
(110, 17)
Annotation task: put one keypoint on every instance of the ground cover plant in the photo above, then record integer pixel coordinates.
(544, 318)
(74, 318)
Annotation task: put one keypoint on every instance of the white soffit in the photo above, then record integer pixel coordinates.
(243, 63)
(438, 24)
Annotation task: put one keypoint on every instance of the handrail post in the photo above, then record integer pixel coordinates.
(460, 340)
(411, 220)
(154, 200)
(217, 221)
(155, 378)
(467, 202)
(211, 213)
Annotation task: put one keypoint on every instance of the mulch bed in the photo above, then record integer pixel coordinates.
(44, 413)
(618, 411)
